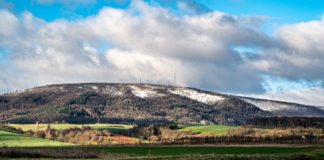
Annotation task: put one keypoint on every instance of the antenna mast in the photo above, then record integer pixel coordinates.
(175, 78)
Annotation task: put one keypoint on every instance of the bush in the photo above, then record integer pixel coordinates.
(84, 135)
(155, 132)
(11, 129)
(29, 133)
(40, 134)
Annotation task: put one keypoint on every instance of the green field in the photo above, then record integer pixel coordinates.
(208, 129)
(183, 150)
(187, 152)
(113, 128)
(116, 128)
(9, 139)
(31, 144)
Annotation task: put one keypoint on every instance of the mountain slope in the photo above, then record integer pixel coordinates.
(136, 103)
(285, 108)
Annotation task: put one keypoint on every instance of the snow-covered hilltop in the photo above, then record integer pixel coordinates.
(284, 108)
(196, 95)
(140, 103)
(277, 107)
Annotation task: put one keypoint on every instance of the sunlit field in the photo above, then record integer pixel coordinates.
(208, 129)
(8, 139)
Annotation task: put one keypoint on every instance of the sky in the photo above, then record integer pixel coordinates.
(268, 49)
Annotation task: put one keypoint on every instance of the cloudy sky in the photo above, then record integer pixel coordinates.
(268, 48)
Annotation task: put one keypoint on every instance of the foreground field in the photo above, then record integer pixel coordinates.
(13, 145)
(8, 139)
(185, 150)
(169, 152)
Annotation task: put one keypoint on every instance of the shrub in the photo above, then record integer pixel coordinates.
(40, 134)
(11, 129)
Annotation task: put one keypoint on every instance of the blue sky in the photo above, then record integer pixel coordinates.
(281, 11)
(250, 47)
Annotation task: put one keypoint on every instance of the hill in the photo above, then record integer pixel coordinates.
(138, 103)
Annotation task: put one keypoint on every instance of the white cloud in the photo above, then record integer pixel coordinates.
(150, 43)
(154, 41)
(9, 24)
(299, 53)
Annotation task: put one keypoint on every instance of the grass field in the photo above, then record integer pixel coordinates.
(9, 139)
(208, 129)
(186, 152)
(116, 128)
(113, 128)
(182, 150)
(55, 148)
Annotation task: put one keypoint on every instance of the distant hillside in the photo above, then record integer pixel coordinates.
(139, 103)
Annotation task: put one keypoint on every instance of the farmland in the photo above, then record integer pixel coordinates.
(116, 128)
(185, 150)
(21, 145)
(208, 129)
(174, 152)
(9, 139)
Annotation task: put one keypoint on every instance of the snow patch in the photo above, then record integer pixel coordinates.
(62, 88)
(145, 92)
(198, 96)
(114, 91)
(273, 106)
(94, 87)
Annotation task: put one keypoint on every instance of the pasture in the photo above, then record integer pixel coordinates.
(31, 146)
(117, 128)
(170, 152)
(208, 129)
(189, 150)
(9, 139)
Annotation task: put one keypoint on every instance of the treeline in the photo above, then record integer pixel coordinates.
(168, 134)
(83, 136)
(157, 133)
(292, 139)
(10, 129)
(286, 122)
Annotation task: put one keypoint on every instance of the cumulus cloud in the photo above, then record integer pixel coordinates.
(299, 53)
(154, 41)
(150, 43)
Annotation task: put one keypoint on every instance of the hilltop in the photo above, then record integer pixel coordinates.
(139, 103)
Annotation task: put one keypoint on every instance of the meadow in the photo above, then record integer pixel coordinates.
(185, 150)
(9, 139)
(208, 129)
(173, 152)
(32, 147)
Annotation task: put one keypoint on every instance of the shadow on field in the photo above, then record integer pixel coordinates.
(88, 153)
(47, 153)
